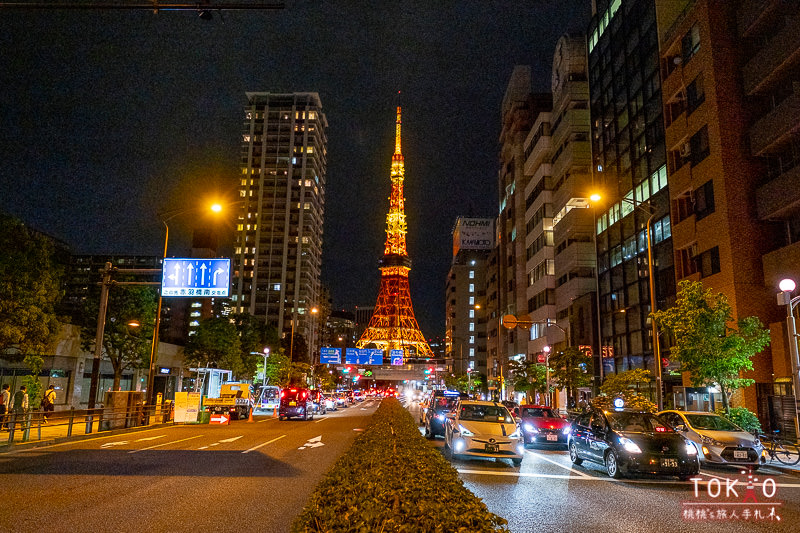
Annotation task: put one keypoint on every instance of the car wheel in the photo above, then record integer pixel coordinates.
(280, 417)
(684, 477)
(428, 434)
(517, 461)
(612, 465)
(573, 454)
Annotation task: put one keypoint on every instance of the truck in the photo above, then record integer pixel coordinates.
(234, 398)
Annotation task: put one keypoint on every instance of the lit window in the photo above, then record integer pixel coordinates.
(195, 313)
(472, 326)
(308, 183)
(276, 287)
(309, 149)
(471, 287)
(294, 160)
(472, 313)
(472, 354)
(472, 262)
(312, 115)
(471, 274)
(194, 323)
(472, 339)
(471, 300)
(197, 304)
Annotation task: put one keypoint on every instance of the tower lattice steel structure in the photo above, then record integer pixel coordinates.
(393, 326)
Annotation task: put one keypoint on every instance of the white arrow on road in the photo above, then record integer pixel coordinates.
(232, 439)
(203, 268)
(313, 443)
(189, 269)
(118, 443)
(217, 271)
(220, 442)
(150, 438)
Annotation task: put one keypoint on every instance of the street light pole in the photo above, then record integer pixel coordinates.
(98, 339)
(787, 286)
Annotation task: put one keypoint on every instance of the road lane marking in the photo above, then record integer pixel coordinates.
(312, 443)
(165, 444)
(78, 441)
(150, 438)
(263, 444)
(557, 463)
(118, 443)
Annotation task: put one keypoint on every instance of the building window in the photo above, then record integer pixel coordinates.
(708, 262)
(472, 313)
(276, 287)
(704, 200)
(471, 300)
(472, 326)
(690, 44)
(695, 94)
(471, 287)
(472, 354)
(687, 264)
(699, 145)
(471, 274)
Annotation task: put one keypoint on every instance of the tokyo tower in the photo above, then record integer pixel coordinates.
(393, 326)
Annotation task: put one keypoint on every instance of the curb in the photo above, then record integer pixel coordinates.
(18, 446)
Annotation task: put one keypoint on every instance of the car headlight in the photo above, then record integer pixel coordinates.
(690, 449)
(629, 445)
(440, 418)
(711, 442)
(464, 431)
(529, 428)
(567, 430)
(756, 443)
(515, 435)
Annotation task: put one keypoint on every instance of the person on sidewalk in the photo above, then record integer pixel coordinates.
(20, 405)
(5, 403)
(48, 402)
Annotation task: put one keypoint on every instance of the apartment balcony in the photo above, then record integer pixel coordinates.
(752, 13)
(574, 153)
(778, 54)
(539, 153)
(779, 198)
(777, 125)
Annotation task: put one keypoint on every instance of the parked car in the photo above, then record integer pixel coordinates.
(330, 401)
(483, 429)
(269, 397)
(718, 440)
(630, 441)
(296, 402)
(542, 425)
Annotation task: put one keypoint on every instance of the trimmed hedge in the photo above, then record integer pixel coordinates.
(392, 480)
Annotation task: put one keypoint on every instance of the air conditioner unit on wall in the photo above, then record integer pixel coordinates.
(685, 150)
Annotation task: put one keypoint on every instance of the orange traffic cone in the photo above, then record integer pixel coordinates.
(250, 417)
(275, 413)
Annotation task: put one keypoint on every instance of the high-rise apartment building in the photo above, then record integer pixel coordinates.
(278, 253)
(630, 172)
(507, 286)
(731, 72)
(465, 294)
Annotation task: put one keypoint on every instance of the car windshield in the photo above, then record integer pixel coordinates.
(485, 413)
(712, 422)
(444, 404)
(539, 412)
(636, 422)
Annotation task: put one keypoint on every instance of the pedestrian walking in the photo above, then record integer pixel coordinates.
(5, 403)
(20, 405)
(48, 402)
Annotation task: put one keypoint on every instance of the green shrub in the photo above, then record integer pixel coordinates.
(743, 417)
(632, 401)
(384, 482)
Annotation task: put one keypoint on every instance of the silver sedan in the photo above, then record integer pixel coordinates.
(717, 439)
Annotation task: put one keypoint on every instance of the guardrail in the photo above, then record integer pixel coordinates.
(36, 425)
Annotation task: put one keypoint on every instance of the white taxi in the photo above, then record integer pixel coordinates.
(483, 429)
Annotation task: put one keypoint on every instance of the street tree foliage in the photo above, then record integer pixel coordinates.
(297, 351)
(283, 372)
(125, 346)
(569, 369)
(216, 344)
(464, 382)
(628, 385)
(528, 377)
(30, 288)
(255, 334)
(706, 345)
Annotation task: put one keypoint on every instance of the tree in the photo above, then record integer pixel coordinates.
(216, 343)
(30, 284)
(283, 372)
(124, 345)
(254, 336)
(528, 377)
(568, 370)
(626, 385)
(705, 345)
(298, 351)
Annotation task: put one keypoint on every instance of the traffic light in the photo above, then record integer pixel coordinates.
(346, 370)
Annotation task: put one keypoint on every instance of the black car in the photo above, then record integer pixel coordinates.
(630, 441)
(441, 403)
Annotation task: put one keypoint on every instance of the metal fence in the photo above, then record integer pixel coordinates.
(37, 425)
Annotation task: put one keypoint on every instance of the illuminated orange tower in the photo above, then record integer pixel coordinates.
(393, 326)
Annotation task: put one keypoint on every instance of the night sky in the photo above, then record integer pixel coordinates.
(111, 117)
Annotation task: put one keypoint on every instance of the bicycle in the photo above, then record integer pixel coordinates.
(782, 450)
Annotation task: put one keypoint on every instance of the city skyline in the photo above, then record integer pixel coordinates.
(111, 118)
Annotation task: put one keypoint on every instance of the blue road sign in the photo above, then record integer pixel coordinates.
(396, 357)
(190, 277)
(351, 356)
(330, 356)
(374, 357)
(363, 356)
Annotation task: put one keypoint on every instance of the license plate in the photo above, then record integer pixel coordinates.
(740, 454)
(492, 448)
(292, 403)
(553, 438)
(669, 463)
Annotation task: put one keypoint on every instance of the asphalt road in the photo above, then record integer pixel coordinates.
(246, 476)
(547, 493)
